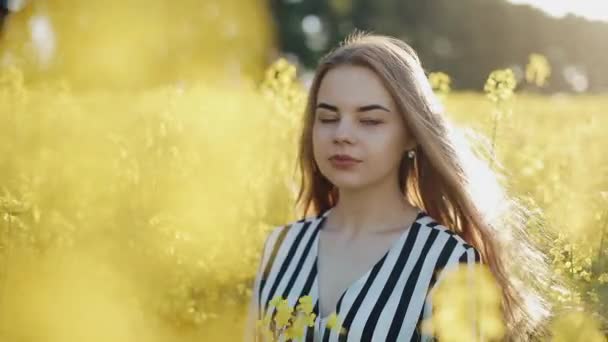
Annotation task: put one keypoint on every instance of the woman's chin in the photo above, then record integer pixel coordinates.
(348, 185)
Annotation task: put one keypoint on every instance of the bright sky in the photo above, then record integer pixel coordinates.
(591, 9)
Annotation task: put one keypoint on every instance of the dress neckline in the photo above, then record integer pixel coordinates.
(398, 242)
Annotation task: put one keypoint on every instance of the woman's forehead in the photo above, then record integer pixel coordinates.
(353, 86)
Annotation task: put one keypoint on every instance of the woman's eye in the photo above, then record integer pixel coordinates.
(371, 122)
(328, 120)
(366, 122)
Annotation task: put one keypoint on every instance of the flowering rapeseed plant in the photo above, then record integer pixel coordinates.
(500, 85)
(499, 88)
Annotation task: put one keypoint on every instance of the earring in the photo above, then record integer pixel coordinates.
(411, 154)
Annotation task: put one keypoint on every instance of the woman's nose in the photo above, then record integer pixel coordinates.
(344, 131)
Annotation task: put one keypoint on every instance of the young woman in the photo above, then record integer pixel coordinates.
(396, 197)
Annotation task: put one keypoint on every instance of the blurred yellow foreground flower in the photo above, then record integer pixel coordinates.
(466, 306)
(576, 326)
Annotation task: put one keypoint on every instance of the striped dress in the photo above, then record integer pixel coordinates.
(387, 303)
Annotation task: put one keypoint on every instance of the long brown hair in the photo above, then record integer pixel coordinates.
(446, 178)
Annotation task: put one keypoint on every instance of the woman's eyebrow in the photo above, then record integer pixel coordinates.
(359, 109)
(372, 107)
(327, 106)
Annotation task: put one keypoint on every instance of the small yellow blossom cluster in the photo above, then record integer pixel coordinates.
(283, 90)
(440, 82)
(281, 73)
(575, 260)
(538, 69)
(291, 324)
(500, 85)
(569, 258)
(287, 323)
(334, 322)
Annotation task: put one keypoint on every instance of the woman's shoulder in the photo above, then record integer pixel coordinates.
(282, 238)
(446, 238)
(279, 233)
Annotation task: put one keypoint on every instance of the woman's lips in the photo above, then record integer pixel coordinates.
(343, 163)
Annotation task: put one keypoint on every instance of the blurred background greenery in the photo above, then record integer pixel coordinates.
(149, 146)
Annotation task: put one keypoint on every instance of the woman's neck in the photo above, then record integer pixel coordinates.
(371, 210)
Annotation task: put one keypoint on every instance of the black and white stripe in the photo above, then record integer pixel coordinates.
(387, 303)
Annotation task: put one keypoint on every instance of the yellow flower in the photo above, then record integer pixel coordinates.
(297, 329)
(305, 305)
(335, 323)
(332, 320)
(283, 313)
(288, 322)
(500, 85)
(310, 319)
(538, 69)
(440, 82)
(274, 302)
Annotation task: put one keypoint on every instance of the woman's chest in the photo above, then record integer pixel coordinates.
(340, 265)
(378, 292)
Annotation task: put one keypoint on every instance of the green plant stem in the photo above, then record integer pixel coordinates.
(4, 275)
(494, 129)
(496, 114)
(600, 253)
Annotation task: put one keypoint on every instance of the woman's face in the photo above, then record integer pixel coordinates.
(355, 115)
